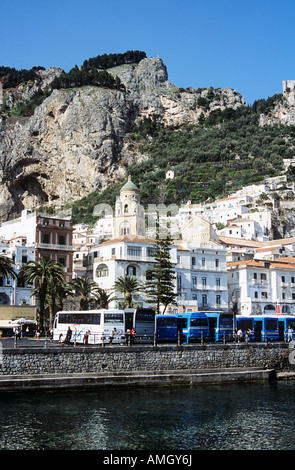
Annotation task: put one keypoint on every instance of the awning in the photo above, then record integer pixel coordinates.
(23, 321)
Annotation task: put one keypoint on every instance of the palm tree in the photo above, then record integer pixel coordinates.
(103, 298)
(41, 273)
(6, 267)
(57, 291)
(128, 285)
(85, 287)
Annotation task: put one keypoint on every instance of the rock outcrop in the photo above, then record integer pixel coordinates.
(284, 111)
(77, 140)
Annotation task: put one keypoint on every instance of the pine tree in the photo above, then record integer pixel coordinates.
(160, 284)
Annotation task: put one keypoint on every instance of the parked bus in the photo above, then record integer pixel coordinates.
(284, 322)
(186, 327)
(262, 327)
(221, 326)
(142, 320)
(99, 323)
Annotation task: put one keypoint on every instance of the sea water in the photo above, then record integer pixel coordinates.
(242, 416)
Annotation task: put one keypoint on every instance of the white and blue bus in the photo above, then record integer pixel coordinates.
(100, 326)
(142, 320)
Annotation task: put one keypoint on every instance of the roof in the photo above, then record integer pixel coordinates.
(129, 186)
(130, 238)
(240, 242)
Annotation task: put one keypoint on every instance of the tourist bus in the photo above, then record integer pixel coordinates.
(183, 327)
(142, 320)
(99, 323)
(284, 322)
(221, 325)
(262, 327)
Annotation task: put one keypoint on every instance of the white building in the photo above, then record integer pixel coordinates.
(198, 258)
(16, 291)
(265, 282)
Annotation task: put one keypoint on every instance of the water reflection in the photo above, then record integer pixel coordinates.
(227, 417)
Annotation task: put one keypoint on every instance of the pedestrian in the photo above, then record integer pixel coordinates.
(132, 335)
(248, 335)
(128, 337)
(86, 337)
(239, 334)
(68, 336)
(290, 333)
(112, 335)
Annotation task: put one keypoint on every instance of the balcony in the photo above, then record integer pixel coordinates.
(52, 247)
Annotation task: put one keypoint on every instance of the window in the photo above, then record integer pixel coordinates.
(204, 281)
(218, 282)
(203, 262)
(131, 271)
(194, 281)
(102, 270)
(263, 276)
(216, 263)
(151, 251)
(218, 300)
(45, 238)
(193, 261)
(134, 250)
(264, 295)
(204, 299)
(61, 240)
(178, 281)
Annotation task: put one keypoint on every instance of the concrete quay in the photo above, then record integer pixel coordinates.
(88, 381)
(46, 366)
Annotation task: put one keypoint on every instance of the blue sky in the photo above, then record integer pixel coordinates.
(247, 45)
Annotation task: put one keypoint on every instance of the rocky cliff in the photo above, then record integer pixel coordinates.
(78, 139)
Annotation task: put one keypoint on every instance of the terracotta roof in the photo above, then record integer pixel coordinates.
(240, 242)
(129, 238)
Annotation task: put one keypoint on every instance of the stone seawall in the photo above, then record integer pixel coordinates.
(122, 359)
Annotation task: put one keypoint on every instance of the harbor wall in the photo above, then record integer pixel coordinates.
(122, 359)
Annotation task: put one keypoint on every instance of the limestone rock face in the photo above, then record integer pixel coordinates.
(77, 140)
(284, 111)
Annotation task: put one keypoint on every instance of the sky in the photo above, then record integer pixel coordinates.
(247, 45)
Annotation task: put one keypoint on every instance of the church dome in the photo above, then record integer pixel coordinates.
(129, 186)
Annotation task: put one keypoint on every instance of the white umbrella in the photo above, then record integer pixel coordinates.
(20, 321)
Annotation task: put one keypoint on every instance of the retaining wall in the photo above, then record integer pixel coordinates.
(122, 359)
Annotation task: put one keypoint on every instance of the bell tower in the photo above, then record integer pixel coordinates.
(129, 214)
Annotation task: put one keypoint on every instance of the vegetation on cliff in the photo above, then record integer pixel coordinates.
(225, 152)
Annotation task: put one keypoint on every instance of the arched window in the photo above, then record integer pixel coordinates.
(102, 270)
(124, 228)
(131, 270)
